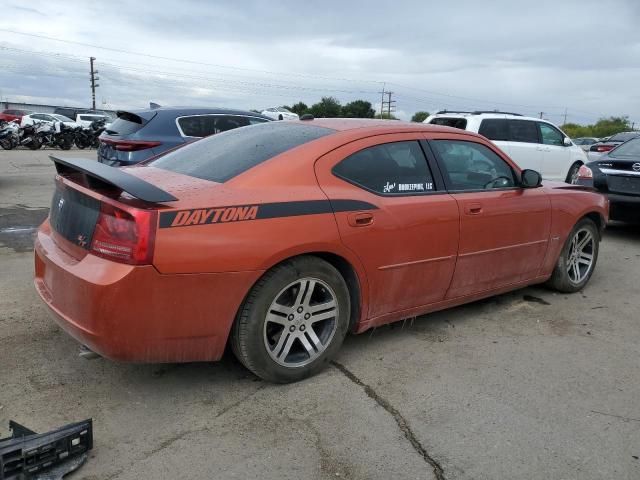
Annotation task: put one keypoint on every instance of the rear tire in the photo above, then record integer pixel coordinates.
(280, 117)
(577, 259)
(293, 320)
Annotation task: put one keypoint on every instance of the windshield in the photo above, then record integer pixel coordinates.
(628, 149)
(62, 118)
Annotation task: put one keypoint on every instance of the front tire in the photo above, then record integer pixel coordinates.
(572, 176)
(293, 320)
(577, 259)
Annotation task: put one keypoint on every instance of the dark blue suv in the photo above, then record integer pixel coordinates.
(138, 135)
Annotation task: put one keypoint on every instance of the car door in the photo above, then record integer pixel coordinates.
(504, 229)
(523, 143)
(556, 158)
(406, 234)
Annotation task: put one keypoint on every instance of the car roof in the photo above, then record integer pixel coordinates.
(180, 111)
(379, 126)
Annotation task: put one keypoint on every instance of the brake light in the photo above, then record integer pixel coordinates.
(585, 172)
(602, 148)
(131, 145)
(124, 234)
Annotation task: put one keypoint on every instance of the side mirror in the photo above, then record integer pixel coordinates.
(567, 142)
(530, 179)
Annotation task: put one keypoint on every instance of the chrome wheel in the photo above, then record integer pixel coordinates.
(580, 257)
(300, 322)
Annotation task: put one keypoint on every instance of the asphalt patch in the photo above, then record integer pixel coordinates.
(18, 226)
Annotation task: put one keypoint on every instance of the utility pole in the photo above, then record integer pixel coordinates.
(390, 104)
(382, 99)
(565, 116)
(94, 79)
(541, 114)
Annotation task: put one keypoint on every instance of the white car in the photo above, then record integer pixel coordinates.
(86, 119)
(531, 142)
(47, 118)
(279, 113)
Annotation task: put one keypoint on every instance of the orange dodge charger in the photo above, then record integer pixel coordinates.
(280, 238)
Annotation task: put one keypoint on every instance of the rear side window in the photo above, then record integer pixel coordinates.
(494, 129)
(398, 168)
(221, 157)
(630, 148)
(523, 131)
(460, 123)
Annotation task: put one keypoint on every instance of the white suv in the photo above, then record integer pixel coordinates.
(531, 142)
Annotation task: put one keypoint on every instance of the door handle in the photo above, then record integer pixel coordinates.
(360, 219)
(473, 208)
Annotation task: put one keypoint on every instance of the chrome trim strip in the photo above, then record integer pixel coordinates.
(415, 262)
(508, 247)
(612, 171)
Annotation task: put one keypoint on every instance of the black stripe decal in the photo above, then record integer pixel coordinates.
(261, 211)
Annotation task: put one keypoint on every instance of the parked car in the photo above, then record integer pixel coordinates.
(47, 118)
(280, 113)
(598, 149)
(585, 142)
(86, 119)
(531, 142)
(138, 135)
(73, 113)
(280, 238)
(616, 173)
(12, 114)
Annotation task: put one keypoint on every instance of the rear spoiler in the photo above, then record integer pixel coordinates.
(99, 175)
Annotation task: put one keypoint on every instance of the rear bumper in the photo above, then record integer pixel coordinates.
(134, 313)
(624, 208)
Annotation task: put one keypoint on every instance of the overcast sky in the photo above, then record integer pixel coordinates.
(540, 56)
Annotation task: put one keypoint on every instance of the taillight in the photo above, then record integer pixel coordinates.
(124, 234)
(131, 145)
(585, 172)
(601, 148)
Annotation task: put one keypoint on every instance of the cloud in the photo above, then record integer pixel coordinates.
(254, 54)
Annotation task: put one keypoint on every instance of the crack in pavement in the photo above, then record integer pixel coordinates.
(402, 423)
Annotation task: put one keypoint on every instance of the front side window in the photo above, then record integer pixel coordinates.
(398, 168)
(551, 135)
(523, 131)
(472, 166)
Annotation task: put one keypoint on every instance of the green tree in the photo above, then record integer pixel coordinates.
(604, 127)
(300, 108)
(419, 116)
(327, 107)
(358, 109)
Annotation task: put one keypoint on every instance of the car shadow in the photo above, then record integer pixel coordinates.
(622, 231)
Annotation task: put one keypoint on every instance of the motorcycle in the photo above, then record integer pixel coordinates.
(31, 136)
(9, 134)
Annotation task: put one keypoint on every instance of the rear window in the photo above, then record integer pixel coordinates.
(494, 129)
(221, 157)
(128, 123)
(623, 137)
(460, 123)
(631, 148)
(205, 125)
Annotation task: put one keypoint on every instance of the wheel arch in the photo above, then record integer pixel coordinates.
(350, 270)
